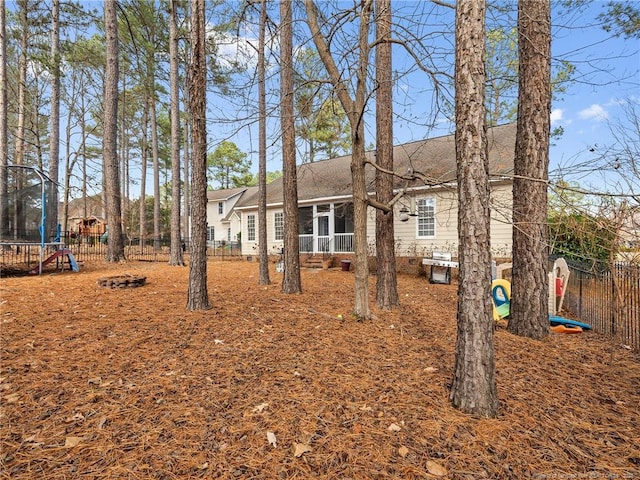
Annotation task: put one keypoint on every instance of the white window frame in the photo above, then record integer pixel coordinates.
(278, 226)
(211, 233)
(251, 228)
(423, 205)
(220, 208)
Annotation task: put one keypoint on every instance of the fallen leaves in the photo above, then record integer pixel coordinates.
(271, 438)
(300, 449)
(436, 469)
(71, 442)
(394, 427)
(12, 397)
(260, 408)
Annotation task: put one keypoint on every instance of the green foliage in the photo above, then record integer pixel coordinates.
(581, 236)
(574, 232)
(622, 19)
(133, 226)
(229, 167)
(321, 121)
(502, 77)
(271, 176)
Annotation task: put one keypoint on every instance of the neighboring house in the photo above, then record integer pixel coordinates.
(85, 216)
(426, 217)
(223, 222)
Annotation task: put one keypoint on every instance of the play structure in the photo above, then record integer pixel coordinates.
(558, 278)
(558, 281)
(29, 234)
(501, 298)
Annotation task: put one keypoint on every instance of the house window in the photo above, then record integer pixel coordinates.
(251, 228)
(211, 234)
(220, 208)
(278, 225)
(426, 217)
(229, 235)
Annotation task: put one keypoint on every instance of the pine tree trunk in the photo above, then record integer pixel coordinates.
(144, 148)
(19, 220)
(529, 314)
(386, 278)
(156, 169)
(291, 282)
(474, 386)
(197, 295)
(175, 255)
(111, 167)
(54, 119)
(263, 253)
(4, 140)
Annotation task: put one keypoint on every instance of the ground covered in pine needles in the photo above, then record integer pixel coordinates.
(124, 383)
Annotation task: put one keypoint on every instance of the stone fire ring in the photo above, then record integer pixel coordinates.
(122, 281)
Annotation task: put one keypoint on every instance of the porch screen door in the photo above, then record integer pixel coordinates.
(323, 232)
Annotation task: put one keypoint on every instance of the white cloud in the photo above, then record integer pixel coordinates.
(556, 115)
(594, 112)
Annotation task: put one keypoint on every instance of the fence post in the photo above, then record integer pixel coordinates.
(580, 276)
(614, 302)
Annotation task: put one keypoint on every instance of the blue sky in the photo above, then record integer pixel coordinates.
(608, 72)
(607, 75)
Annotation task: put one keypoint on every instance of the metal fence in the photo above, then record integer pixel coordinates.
(608, 299)
(94, 247)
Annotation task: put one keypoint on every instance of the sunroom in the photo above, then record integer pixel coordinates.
(326, 228)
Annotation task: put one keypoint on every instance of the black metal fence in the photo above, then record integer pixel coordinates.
(608, 299)
(94, 247)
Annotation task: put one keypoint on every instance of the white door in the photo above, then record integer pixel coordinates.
(324, 236)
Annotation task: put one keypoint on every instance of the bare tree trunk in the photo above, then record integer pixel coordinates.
(187, 184)
(123, 145)
(529, 302)
(175, 256)
(156, 169)
(263, 254)
(111, 167)
(386, 278)
(54, 119)
(291, 282)
(144, 153)
(19, 220)
(83, 149)
(197, 296)
(4, 140)
(474, 386)
(68, 166)
(354, 109)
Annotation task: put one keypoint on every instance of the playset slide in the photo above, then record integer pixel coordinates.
(555, 320)
(501, 299)
(57, 254)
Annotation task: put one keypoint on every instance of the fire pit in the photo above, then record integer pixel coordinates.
(122, 281)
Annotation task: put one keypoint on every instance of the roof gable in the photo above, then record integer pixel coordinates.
(434, 158)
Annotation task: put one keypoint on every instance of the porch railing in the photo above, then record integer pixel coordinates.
(343, 242)
(305, 243)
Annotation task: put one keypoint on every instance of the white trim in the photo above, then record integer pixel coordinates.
(426, 237)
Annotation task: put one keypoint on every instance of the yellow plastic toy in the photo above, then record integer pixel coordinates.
(501, 298)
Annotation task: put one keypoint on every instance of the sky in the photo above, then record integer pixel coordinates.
(607, 75)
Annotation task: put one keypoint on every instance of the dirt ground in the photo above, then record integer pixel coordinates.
(124, 383)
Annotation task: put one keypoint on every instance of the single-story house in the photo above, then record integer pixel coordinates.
(223, 222)
(426, 218)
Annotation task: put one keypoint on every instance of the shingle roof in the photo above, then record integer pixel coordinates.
(434, 158)
(224, 194)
